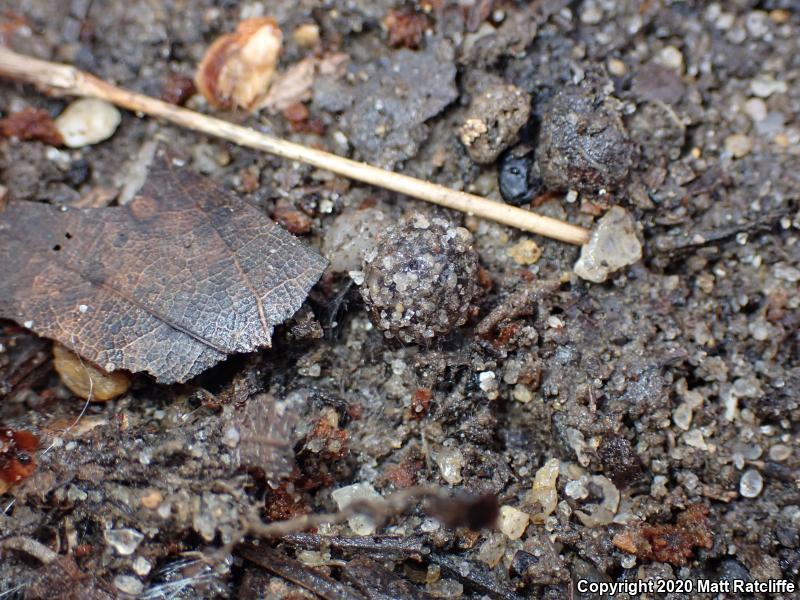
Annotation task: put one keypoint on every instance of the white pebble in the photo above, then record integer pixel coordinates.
(345, 496)
(576, 490)
(757, 23)
(231, 437)
(628, 561)
(751, 484)
(695, 439)
(492, 550)
(612, 245)
(780, 452)
(591, 14)
(756, 109)
(450, 461)
(142, 566)
(124, 541)
(128, 585)
(682, 416)
(671, 57)
(764, 87)
(87, 121)
(738, 145)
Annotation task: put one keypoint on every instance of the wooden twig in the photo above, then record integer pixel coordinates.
(64, 79)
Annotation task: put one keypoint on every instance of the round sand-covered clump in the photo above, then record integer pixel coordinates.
(420, 279)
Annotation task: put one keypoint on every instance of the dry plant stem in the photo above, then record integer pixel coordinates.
(67, 80)
(30, 547)
(384, 508)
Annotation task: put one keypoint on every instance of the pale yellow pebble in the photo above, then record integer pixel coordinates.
(756, 109)
(306, 35)
(616, 67)
(544, 489)
(152, 499)
(672, 58)
(738, 145)
(782, 140)
(522, 394)
(513, 522)
(779, 16)
(87, 121)
(525, 252)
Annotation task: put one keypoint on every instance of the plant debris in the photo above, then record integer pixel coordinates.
(237, 68)
(170, 284)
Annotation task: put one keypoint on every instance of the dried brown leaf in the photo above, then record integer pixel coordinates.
(169, 284)
(291, 86)
(294, 84)
(268, 429)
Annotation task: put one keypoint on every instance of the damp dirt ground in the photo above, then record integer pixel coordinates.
(676, 383)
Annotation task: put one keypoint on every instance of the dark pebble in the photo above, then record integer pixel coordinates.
(583, 144)
(731, 569)
(518, 177)
(522, 561)
(620, 463)
(788, 535)
(78, 173)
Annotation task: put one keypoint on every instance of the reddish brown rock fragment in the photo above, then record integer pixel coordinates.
(404, 475)
(177, 89)
(31, 124)
(293, 220)
(673, 544)
(420, 403)
(326, 438)
(16, 456)
(285, 503)
(406, 28)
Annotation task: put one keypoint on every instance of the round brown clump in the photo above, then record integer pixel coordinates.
(420, 279)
